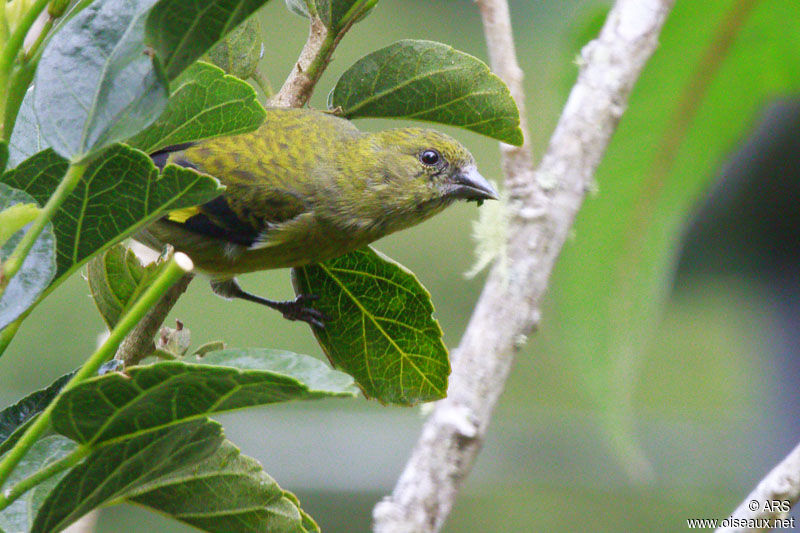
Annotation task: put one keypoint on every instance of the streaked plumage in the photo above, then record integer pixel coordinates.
(308, 186)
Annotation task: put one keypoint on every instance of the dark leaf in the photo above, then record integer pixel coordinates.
(14, 416)
(424, 80)
(95, 84)
(226, 492)
(117, 469)
(380, 327)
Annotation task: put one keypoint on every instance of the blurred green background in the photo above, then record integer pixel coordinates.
(631, 420)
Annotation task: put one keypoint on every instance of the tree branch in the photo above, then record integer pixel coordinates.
(297, 88)
(543, 204)
(782, 484)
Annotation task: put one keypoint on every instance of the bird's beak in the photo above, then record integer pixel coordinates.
(470, 185)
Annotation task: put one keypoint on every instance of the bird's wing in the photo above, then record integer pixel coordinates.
(226, 221)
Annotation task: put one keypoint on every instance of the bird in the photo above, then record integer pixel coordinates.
(304, 187)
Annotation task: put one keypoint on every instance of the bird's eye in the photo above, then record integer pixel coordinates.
(429, 157)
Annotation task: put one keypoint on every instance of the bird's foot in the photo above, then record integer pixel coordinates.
(298, 309)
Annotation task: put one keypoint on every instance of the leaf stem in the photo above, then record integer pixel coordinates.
(263, 83)
(12, 48)
(179, 265)
(14, 262)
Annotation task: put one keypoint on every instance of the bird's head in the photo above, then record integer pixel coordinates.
(430, 167)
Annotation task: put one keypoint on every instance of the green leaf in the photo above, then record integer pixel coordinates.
(335, 14)
(380, 327)
(120, 192)
(207, 103)
(14, 416)
(226, 492)
(299, 7)
(696, 99)
(95, 84)
(424, 80)
(240, 51)
(116, 279)
(115, 470)
(170, 392)
(26, 139)
(19, 516)
(180, 31)
(39, 266)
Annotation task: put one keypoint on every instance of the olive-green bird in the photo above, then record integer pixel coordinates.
(305, 187)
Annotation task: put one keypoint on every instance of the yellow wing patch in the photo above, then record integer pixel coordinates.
(182, 215)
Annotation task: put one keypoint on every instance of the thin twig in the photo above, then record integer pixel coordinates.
(297, 88)
(139, 342)
(543, 205)
(770, 500)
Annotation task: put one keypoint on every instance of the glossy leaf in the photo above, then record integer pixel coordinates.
(116, 279)
(26, 139)
(95, 84)
(167, 393)
(425, 80)
(206, 103)
(180, 31)
(18, 517)
(39, 266)
(120, 191)
(379, 328)
(113, 471)
(226, 492)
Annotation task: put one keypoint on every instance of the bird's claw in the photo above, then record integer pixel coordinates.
(298, 309)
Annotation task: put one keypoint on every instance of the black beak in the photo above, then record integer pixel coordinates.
(470, 185)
